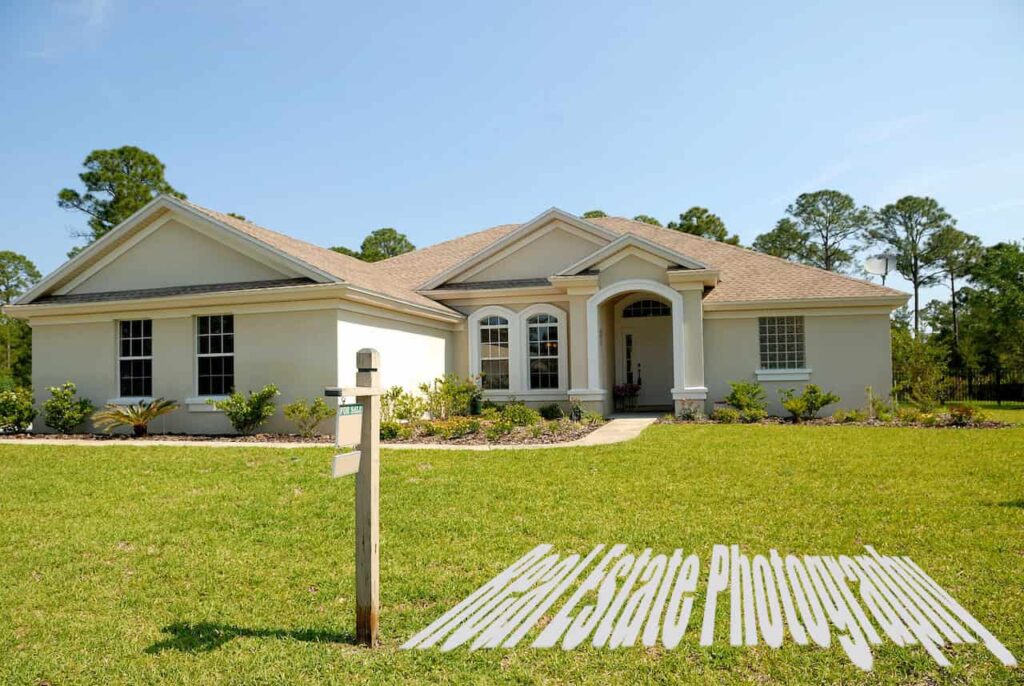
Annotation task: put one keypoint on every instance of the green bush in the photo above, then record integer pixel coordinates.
(518, 414)
(965, 415)
(498, 430)
(591, 418)
(399, 405)
(551, 412)
(16, 410)
(725, 415)
(450, 396)
(691, 413)
(849, 416)
(306, 415)
(247, 414)
(807, 404)
(753, 415)
(137, 415)
(63, 411)
(456, 427)
(390, 430)
(877, 408)
(908, 414)
(747, 395)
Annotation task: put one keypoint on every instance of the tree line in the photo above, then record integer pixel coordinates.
(980, 326)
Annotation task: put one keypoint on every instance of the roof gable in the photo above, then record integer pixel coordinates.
(631, 244)
(504, 246)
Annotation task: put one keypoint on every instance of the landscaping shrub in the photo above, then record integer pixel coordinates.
(498, 430)
(397, 404)
(747, 395)
(389, 430)
(306, 415)
(965, 415)
(518, 414)
(63, 411)
(16, 411)
(877, 408)
(849, 416)
(591, 418)
(551, 412)
(725, 415)
(456, 427)
(137, 415)
(908, 414)
(807, 404)
(691, 413)
(247, 414)
(753, 415)
(450, 396)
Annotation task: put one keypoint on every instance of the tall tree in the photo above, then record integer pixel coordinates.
(956, 252)
(118, 182)
(646, 219)
(17, 275)
(701, 222)
(908, 226)
(786, 240)
(379, 245)
(594, 214)
(831, 221)
(993, 304)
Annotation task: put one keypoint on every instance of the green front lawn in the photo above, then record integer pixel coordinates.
(234, 565)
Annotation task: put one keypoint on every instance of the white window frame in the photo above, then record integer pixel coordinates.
(563, 367)
(782, 373)
(131, 399)
(513, 344)
(198, 403)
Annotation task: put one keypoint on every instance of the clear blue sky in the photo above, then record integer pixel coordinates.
(327, 120)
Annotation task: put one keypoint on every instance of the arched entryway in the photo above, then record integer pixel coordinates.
(655, 346)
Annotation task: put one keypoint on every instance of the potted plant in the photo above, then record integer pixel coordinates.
(625, 396)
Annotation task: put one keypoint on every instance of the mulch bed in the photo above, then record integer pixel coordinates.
(172, 438)
(523, 435)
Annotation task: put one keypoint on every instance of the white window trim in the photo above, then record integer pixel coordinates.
(130, 400)
(783, 374)
(514, 338)
(200, 403)
(524, 345)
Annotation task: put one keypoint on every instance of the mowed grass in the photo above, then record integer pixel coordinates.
(1009, 412)
(200, 566)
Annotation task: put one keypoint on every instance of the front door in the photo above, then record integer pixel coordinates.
(646, 359)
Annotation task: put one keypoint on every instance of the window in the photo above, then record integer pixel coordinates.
(135, 358)
(215, 352)
(494, 357)
(647, 308)
(543, 351)
(782, 342)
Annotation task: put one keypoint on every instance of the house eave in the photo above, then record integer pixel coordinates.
(889, 301)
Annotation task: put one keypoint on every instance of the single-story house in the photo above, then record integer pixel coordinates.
(186, 303)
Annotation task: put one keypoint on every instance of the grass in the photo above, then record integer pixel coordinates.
(197, 566)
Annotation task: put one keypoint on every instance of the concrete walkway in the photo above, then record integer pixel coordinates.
(617, 430)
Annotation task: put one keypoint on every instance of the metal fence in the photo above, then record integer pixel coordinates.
(999, 386)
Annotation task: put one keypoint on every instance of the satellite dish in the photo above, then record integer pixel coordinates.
(880, 265)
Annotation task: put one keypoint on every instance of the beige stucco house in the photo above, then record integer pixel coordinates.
(186, 303)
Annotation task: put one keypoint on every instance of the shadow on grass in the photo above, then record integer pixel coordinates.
(206, 636)
(1012, 503)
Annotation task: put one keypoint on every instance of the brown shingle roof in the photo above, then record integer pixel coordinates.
(746, 275)
(345, 267)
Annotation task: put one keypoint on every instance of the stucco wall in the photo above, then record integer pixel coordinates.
(294, 350)
(410, 354)
(176, 255)
(845, 352)
(541, 257)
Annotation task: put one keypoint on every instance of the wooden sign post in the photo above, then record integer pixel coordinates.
(365, 464)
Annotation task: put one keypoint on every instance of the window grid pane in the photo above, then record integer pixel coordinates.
(494, 352)
(647, 308)
(215, 347)
(135, 358)
(542, 351)
(781, 342)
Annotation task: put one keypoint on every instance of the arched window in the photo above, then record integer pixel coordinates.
(542, 356)
(647, 308)
(494, 358)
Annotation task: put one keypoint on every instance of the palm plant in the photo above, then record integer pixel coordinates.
(137, 415)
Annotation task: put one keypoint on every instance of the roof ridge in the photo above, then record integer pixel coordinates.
(817, 270)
